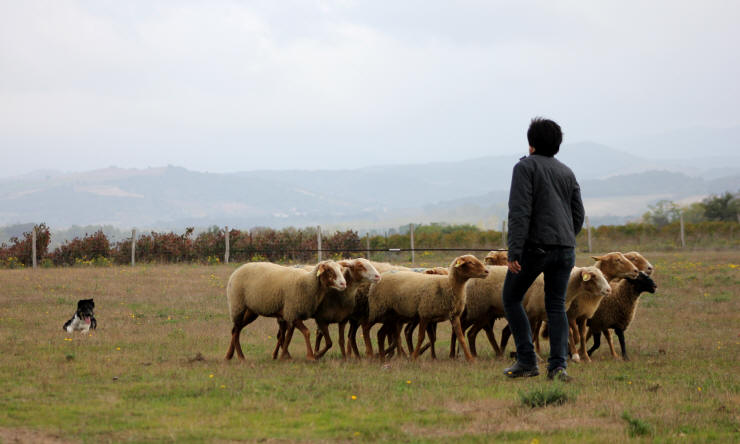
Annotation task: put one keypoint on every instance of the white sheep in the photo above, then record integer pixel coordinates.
(406, 296)
(266, 289)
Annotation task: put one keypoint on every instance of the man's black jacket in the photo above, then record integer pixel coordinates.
(545, 206)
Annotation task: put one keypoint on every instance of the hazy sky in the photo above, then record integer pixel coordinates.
(228, 86)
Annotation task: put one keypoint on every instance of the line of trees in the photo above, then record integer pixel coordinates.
(724, 207)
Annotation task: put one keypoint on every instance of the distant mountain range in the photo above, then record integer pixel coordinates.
(616, 186)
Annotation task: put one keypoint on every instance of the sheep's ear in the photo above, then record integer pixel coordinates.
(321, 270)
(586, 276)
(459, 263)
(596, 258)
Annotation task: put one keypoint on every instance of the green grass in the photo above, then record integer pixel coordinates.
(544, 396)
(636, 426)
(136, 378)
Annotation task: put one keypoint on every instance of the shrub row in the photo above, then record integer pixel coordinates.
(299, 245)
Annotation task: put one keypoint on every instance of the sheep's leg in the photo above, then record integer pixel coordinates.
(492, 339)
(381, 342)
(341, 338)
(324, 328)
(366, 338)
(352, 338)
(461, 338)
(307, 337)
(608, 335)
(505, 335)
(282, 327)
(582, 333)
(622, 345)
(285, 354)
(453, 343)
(397, 335)
(536, 335)
(242, 321)
(597, 342)
(319, 337)
(431, 330)
(573, 328)
(432, 333)
(472, 335)
(420, 340)
(409, 334)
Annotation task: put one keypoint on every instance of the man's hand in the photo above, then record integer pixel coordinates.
(514, 266)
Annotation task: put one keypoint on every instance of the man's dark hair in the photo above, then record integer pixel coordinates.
(544, 136)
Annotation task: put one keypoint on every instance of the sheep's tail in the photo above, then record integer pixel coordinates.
(545, 332)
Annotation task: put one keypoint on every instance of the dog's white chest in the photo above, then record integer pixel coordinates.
(78, 324)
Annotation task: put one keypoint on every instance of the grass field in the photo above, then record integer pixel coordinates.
(137, 378)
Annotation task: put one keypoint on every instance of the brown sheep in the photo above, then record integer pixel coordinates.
(612, 265)
(336, 306)
(496, 257)
(266, 289)
(621, 310)
(617, 311)
(432, 298)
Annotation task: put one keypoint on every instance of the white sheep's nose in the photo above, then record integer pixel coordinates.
(376, 278)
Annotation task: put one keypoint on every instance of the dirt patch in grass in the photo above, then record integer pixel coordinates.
(8, 436)
(493, 416)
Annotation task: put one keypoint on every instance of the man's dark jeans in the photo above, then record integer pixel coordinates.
(556, 263)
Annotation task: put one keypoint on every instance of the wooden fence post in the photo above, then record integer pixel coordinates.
(413, 255)
(683, 239)
(226, 237)
(318, 234)
(33, 247)
(588, 233)
(367, 245)
(133, 247)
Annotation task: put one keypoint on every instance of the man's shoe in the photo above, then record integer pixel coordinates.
(520, 370)
(559, 374)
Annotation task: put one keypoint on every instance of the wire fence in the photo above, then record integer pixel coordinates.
(416, 245)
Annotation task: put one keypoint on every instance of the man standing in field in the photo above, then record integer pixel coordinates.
(545, 214)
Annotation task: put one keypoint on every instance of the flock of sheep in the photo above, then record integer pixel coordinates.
(363, 293)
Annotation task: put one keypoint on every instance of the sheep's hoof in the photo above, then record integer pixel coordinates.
(576, 357)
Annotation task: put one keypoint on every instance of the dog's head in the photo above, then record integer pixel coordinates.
(85, 309)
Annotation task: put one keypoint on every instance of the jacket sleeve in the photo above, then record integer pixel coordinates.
(576, 207)
(520, 210)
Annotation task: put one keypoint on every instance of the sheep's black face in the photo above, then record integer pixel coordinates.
(644, 283)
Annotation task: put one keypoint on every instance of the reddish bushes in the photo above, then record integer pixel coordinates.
(21, 250)
(91, 246)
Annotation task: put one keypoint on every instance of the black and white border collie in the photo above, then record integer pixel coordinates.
(83, 319)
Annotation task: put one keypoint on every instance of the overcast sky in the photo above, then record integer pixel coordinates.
(228, 86)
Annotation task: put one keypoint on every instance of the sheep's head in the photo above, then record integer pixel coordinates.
(643, 283)
(468, 266)
(592, 280)
(362, 270)
(496, 258)
(437, 270)
(640, 262)
(329, 274)
(615, 264)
